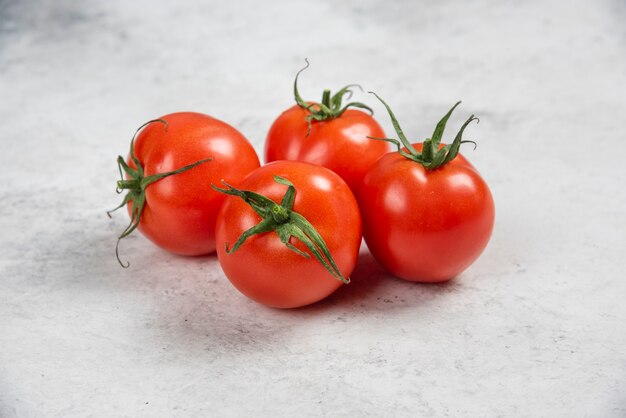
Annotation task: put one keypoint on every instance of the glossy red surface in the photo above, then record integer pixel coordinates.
(340, 144)
(425, 225)
(180, 210)
(263, 268)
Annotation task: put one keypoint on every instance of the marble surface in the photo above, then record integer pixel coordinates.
(536, 327)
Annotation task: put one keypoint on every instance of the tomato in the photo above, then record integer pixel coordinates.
(262, 266)
(336, 138)
(426, 224)
(178, 208)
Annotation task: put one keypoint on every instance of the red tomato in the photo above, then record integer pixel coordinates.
(180, 210)
(264, 268)
(338, 142)
(425, 224)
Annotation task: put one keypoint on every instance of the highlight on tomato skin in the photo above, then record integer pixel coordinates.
(263, 267)
(425, 226)
(427, 212)
(168, 175)
(328, 133)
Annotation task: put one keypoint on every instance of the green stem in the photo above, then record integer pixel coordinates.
(280, 214)
(432, 156)
(396, 125)
(326, 98)
(129, 184)
(282, 219)
(331, 105)
(136, 185)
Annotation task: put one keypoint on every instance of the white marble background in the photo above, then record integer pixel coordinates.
(536, 327)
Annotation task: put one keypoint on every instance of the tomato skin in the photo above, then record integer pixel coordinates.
(181, 210)
(339, 144)
(263, 268)
(422, 225)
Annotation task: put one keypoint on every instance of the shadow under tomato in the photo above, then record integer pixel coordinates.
(373, 289)
(367, 283)
(203, 313)
(368, 276)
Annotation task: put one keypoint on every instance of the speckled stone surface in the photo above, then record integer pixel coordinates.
(536, 327)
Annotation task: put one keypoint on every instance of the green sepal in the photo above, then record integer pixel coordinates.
(331, 106)
(396, 125)
(136, 185)
(287, 223)
(432, 156)
(428, 150)
(441, 126)
(458, 140)
(439, 157)
(266, 225)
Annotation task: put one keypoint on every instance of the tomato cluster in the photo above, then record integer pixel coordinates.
(288, 233)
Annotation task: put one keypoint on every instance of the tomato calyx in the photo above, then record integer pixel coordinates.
(331, 106)
(136, 185)
(282, 219)
(432, 156)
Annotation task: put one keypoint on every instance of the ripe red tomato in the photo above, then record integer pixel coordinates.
(180, 209)
(263, 267)
(426, 224)
(336, 138)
